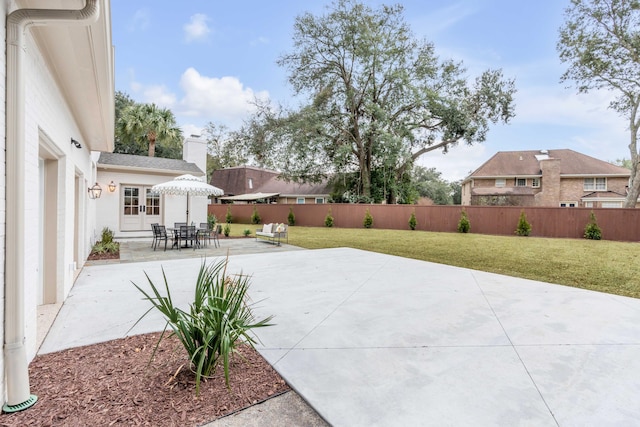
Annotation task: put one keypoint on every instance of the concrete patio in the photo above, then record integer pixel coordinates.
(371, 339)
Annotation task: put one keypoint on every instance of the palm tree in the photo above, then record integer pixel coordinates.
(148, 122)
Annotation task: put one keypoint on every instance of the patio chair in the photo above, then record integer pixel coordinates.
(204, 233)
(188, 233)
(160, 234)
(177, 225)
(216, 234)
(153, 232)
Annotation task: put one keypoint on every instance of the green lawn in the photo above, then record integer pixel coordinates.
(603, 265)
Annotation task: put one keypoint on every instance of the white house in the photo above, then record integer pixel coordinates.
(128, 207)
(58, 107)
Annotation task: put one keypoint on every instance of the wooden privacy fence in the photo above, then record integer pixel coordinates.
(616, 224)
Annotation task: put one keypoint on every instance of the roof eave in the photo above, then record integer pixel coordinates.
(595, 175)
(81, 61)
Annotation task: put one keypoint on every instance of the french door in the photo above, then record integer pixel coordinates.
(139, 208)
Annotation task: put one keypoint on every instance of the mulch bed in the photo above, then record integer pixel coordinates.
(112, 383)
(107, 255)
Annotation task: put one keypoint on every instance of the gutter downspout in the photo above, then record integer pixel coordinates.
(16, 366)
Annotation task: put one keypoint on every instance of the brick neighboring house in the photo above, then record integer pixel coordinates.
(247, 184)
(551, 178)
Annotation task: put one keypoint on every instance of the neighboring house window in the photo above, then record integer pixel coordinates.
(535, 182)
(319, 200)
(300, 200)
(597, 184)
(568, 204)
(588, 204)
(501, 182)
(611, 204)
(521, 182)
(251, 183)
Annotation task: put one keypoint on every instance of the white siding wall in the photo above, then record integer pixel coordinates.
(3, 170)
(47, 111)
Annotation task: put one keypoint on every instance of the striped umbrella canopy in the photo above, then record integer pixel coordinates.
(187, 185)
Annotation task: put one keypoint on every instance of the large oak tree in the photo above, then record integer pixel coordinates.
(375, 98)
(600, 43)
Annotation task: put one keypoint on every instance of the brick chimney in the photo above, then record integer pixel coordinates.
(550, 183)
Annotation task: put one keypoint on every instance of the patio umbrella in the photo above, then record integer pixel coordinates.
(186, 185)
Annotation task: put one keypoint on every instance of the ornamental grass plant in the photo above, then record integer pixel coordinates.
(218, 319)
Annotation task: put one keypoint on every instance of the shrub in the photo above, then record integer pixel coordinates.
(107, 235)
(226, 230)
(368, 220)
(103, 248)
(106, 245)
(211, 221)
(524, 228)
(255, 216)
(291, 218)
(412, 221)
(246, 232)
(464, 225)
(228, 216)
(592, 231)
(328, 220)
(218, 318)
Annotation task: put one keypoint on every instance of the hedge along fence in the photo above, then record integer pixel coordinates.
(616, 224)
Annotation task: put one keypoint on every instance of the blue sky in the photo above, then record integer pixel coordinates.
(206, 60)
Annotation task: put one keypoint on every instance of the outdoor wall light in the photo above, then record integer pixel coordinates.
(112, 187)
(95, 191)
(76, 143)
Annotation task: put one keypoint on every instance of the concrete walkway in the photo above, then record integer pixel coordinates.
(370, 339)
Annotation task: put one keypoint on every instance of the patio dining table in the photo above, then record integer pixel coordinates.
(177, 237)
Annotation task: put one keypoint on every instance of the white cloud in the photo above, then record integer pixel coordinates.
(259, 41)
(223, 100)
(440, 20)
(159, 95)
(141, 20)
(191, 129)
(457, 163)
(197, 29)
(555, 105)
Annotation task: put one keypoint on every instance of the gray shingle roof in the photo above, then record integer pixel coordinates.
(145, 162)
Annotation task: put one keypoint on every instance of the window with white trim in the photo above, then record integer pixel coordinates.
(568, 204)
(595, 184)
(251, 183)
(319, 200)
(300, 200)
(501, 182)
(521, 182)
(611, 204)
(535, 182)
(588, 204)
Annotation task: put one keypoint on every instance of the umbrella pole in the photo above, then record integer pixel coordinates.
(188, 208)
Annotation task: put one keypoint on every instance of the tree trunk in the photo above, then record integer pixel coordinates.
(634, 185)
(152, 147)
(365, 176)
(634, 191)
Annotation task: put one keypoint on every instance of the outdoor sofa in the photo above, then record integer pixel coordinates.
(273, 233)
